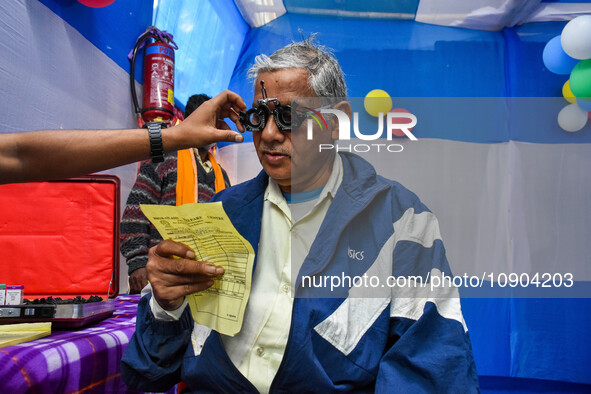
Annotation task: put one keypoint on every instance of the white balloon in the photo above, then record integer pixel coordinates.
(572, 118)
(576, 37)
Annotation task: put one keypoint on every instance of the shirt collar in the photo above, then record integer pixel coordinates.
(274, 195)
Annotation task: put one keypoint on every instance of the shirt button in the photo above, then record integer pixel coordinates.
(260, 351)
(285, 288)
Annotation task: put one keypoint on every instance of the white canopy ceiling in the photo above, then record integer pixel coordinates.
(473, 14)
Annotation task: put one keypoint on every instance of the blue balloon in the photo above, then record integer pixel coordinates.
(555, 59)
(585, 105)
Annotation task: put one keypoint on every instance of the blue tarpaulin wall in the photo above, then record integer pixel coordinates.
(218, 28)
(519, 344)
(113, 29)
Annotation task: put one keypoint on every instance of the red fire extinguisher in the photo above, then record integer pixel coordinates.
(158, 78)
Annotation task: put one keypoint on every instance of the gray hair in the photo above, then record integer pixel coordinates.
(326, 78)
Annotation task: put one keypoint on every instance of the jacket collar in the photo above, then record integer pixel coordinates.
(360, 186)
(360, 181)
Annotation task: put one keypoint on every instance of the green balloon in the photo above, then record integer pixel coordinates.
(580, 79)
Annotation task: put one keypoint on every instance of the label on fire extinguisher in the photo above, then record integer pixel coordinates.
(158, 82)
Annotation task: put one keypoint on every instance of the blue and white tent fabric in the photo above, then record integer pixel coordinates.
(475, 14)
(509, 187)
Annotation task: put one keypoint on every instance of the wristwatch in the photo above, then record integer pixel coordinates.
(155, 134)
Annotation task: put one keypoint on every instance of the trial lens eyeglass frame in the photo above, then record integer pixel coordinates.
(286, 118)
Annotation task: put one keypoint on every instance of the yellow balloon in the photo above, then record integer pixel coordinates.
(377, 101)
(567, 93)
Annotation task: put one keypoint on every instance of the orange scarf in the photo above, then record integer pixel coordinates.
(187, 183)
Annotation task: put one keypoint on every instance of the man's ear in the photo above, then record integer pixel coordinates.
(345, 107)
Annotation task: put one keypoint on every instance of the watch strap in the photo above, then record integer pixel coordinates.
(155, 135)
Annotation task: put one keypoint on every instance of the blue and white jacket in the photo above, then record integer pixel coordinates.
(393, 340)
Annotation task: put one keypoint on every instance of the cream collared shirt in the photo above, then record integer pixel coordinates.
(287, 233)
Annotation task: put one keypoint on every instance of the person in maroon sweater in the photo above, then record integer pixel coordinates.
(156, 183)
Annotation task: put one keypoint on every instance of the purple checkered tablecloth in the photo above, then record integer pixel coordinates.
(86, 360)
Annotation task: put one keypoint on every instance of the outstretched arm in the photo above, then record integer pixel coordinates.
(55, 154)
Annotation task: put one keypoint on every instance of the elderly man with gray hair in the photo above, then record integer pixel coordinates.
(310, 214)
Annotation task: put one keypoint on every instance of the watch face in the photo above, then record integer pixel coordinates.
(161, 125)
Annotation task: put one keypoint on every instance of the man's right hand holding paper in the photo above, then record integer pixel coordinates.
(174, 273)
